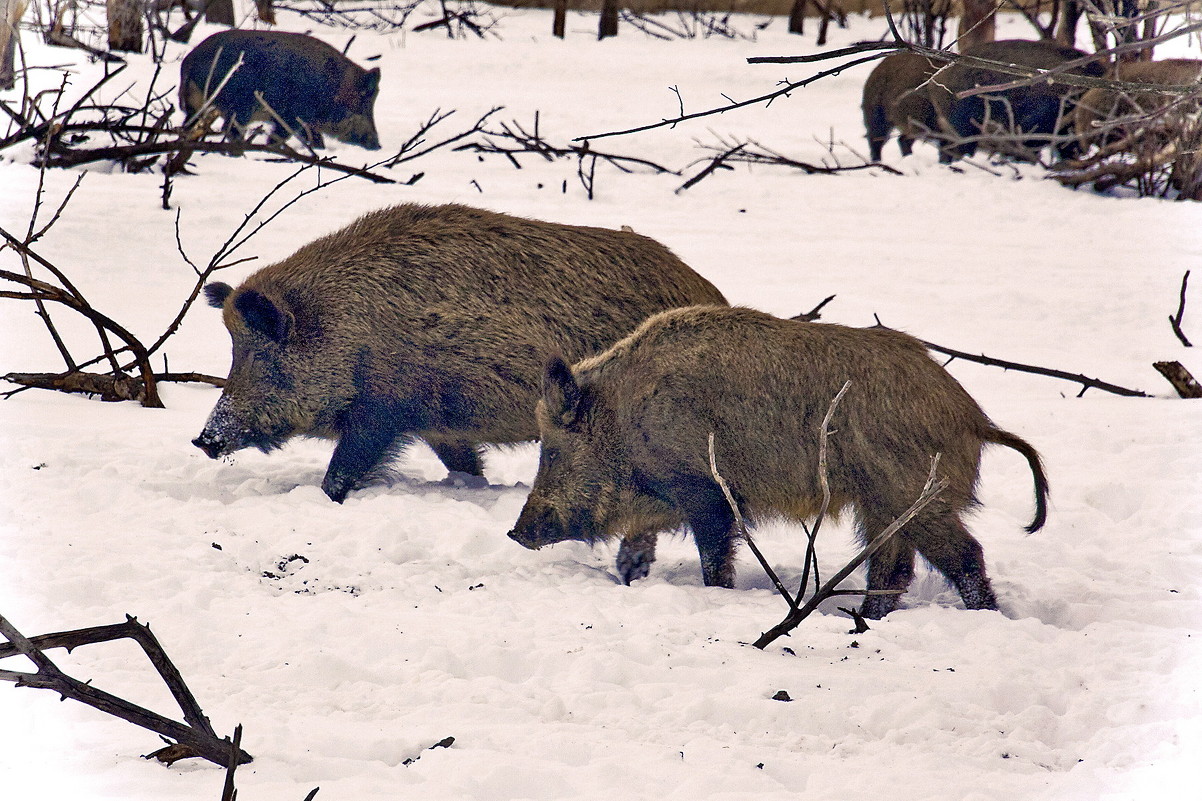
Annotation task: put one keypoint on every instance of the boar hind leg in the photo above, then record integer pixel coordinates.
(889, 571)
(946, 544)
(878, 127)
(458, 456)
(636, 554)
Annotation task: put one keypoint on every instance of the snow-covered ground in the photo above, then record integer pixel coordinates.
(348, 639)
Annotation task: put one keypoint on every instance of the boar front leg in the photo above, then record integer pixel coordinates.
(636, 554)
(713, 525)
(368, 437)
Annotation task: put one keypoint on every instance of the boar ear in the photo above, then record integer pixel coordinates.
(262, 315)
(561, 393)
(216, 292)
(371, 82)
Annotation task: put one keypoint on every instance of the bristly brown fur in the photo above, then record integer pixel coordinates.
(432, 322)
(633, 454)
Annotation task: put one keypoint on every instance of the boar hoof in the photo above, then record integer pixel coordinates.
(337, 487)
(635, 556)
(457, 478)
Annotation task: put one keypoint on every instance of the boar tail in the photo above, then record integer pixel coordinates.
(1000, 437)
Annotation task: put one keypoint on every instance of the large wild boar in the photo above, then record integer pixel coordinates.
(625, 444)
(431, 322)
(1100, 106)
(1040, 111)
(299, 84)
(897, 95)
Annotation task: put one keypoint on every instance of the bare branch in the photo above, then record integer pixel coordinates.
(1085, 381)
(764, 98)
(741, 526)
(1175, 320)
(196, 737)
(1175, 373)
(930, 491)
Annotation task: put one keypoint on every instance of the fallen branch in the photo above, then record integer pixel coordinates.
(1181, 379)
(196, 736)
(716, 163)
(107, 386)
(741, 525)
(512, 139)
(70, 297)
(767, 98)
(1085, 381)
(930, 491)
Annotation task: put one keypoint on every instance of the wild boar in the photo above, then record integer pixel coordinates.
(299, 84)
(429, 322)
(897, 95)
(1040, 112)
(625, 444)
(1100, 106)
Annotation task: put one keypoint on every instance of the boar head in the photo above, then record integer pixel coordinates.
(577, 491)
(260, 406)
(356, 99)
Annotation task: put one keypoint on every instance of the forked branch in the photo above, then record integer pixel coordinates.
(194, 738)
(934, 485)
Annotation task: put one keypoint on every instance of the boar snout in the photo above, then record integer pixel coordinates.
(210, 443)
(524, 539)
(537, 527)
(546, 525)
(223, 433)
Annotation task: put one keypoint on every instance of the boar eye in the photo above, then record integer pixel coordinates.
(550, 455)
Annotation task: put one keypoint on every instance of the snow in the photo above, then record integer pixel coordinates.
(349, 639)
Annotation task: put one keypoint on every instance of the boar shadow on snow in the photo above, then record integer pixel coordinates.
(430, 322)
(625, 444)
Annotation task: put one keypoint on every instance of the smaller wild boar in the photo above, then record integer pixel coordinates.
(431, 322)
(625, 444)
(1040, 112)
(299, 84)
(1100, 106)
(897, 95)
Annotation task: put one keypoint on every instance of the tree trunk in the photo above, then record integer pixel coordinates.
(977, 23)
(220, 11)
(10, 14)
(609, 19)
(559, 21)
(125, 25)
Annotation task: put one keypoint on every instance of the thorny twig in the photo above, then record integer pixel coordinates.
(1085, 381)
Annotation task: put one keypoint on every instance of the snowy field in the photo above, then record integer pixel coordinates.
(348, 639)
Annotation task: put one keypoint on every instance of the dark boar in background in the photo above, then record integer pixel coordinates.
(625, 444)
(312, 87)
(427, 321)
(897, 95)
(1039, 111)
